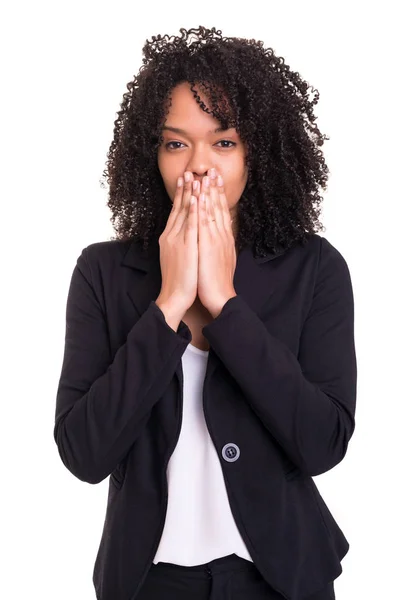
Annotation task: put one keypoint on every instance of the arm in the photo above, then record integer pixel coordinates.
(307, 403)
(102, 403)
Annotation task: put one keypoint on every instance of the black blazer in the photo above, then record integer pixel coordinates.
(279, 403)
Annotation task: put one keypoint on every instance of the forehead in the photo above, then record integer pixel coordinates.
(186, 113)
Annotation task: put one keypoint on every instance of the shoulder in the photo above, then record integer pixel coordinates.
(331, 259)
(332, 278)
(98, 260)
(109, 249)
(323, 265)
(323, 252)
(100, 257)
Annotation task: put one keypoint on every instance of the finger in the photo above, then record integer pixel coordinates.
(205, 225)
(196, 189)
(207, 214)
(215, 207)
(191, 222)
(183, 212)
(223, 203)
(176, 204)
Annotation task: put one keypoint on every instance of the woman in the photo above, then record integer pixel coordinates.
(209, 362)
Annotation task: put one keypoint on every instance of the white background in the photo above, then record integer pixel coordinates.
(64, 68)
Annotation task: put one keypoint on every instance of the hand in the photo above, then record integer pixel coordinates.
(179, 252)
(216, 249)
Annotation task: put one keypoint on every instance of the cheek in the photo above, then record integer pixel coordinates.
(164, 175)
(169, 184)
(169, 174)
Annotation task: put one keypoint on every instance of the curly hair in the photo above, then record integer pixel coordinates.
(270, 108)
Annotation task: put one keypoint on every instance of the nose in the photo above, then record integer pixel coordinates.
(199, 175)
(199, 164)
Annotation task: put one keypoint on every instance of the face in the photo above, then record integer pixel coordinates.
(198, 148)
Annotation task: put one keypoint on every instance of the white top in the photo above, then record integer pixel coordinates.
(199, 525)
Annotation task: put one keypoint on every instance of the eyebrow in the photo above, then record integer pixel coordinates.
(183, 132)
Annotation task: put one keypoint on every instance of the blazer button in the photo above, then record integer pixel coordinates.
(230, 452)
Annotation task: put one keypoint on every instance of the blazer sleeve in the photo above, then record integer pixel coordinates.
(307, 402)
(103, 402)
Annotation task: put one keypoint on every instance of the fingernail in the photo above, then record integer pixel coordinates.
(187, 176)
(219, 180)
(195, 185)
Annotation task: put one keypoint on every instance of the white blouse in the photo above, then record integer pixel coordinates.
(199, 525)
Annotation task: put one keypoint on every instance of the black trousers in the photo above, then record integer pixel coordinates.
(228, 578)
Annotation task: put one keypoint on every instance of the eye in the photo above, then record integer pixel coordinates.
(227, 142)
(168, 144)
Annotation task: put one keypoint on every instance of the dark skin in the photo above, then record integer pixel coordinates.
(196, 153)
